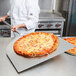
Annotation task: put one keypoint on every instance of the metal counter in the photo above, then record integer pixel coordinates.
(62, 65)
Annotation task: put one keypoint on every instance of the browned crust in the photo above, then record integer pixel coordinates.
(37, 54)
(72, 51)
(71, 40)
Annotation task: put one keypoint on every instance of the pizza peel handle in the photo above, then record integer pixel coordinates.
(10, 27)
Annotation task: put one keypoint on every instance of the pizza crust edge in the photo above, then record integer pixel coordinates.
(53, 49)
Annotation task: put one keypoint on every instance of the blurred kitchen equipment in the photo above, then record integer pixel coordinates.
(5, 30)
(71, 19)
(50, 22)
(10, 26)
(50, 19)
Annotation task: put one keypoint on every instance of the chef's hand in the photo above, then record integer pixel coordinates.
(14, 28)
(3, 18)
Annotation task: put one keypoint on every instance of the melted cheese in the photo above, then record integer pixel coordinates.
(36, 42)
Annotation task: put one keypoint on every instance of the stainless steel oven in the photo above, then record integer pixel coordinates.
(5, 30)
(51, 22)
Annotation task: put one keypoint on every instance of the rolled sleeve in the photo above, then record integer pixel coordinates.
(33, 11)
(30, 24)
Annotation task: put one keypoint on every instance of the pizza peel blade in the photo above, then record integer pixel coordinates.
(21, 63)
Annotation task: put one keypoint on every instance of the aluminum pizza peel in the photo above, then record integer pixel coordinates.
(21, 63)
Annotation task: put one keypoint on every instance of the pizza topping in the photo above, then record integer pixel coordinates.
(36, 43)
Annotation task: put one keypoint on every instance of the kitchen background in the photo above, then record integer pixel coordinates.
(57, 16)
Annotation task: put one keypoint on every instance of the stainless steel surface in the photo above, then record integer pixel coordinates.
(4, 7)
(70, 15)
(50, 5)
(4, 31)
(72, 20)
(43, 3)
(62, 65)
(48, 16)
(23, 63)
(4, 27)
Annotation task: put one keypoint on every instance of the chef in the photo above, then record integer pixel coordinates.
(24, 16)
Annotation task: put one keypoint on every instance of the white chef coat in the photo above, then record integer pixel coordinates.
(24, 11)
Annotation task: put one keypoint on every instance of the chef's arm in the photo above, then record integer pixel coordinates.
(14, 28)
(29, 25)
(3, 18)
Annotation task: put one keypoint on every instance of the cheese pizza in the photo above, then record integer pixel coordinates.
(36, 44)
(71, 40)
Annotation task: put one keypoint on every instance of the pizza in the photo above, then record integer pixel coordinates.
(36, 44)
(71, 40)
